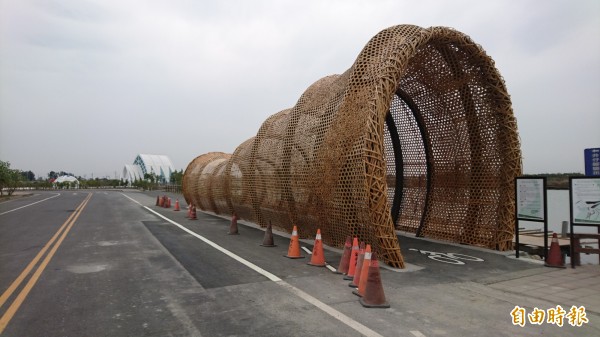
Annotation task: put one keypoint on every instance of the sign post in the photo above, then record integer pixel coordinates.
(530, 198)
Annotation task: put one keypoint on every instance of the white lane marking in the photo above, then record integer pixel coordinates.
(309, 252)
(364, 330)
(219, 248)
(417, 333)
(128, 197)
(33, 203)
(214, 245)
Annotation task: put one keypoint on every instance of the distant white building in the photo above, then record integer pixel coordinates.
(72, 181)
(160, 165)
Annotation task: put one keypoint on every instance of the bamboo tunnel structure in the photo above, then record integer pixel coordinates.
(418, 135)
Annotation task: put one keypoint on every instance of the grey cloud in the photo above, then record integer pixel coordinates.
(111, 79)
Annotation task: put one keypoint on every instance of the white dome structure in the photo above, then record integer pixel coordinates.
(132, 173)
(73, 182)
(159, 165)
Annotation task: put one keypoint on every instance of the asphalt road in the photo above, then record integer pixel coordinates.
(110, 263)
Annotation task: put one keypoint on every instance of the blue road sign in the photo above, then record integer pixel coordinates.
(592, 161)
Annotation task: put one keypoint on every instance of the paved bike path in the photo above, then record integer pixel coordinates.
(442, 262)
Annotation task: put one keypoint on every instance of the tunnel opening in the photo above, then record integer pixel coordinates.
(407, 164)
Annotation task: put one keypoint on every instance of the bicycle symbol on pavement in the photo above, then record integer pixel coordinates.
(451, 258)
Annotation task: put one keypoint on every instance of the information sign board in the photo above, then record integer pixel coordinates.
(530, 199)
(585, 200)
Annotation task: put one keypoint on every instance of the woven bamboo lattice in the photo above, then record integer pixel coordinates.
(418, 135)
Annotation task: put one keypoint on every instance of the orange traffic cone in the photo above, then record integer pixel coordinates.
(168, 202)
(157, 200)
(268, 238)
(317, 258)
(176, 205)
(345, 261)
(161, 202)
(294, 248)
(554, 258)
(193, 214)
(364, 273)
(373, 296)
(233, 228)
(189, 212)
(359, 263)
(353, 258)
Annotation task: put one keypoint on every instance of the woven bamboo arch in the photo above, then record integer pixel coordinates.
(418, 135)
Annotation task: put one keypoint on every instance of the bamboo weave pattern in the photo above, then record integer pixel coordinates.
(418, 135)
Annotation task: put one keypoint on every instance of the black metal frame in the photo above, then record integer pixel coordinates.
(398, 159)
(427, 147)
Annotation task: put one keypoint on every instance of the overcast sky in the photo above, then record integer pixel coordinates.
(87, 85)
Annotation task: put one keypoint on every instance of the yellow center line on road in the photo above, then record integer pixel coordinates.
(10, 312)
(35, 260)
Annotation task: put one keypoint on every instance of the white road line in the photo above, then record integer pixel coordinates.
(33, 203)
(417, 333)
(219, 248)
(326, 265)
(128, 197)
(364, 330)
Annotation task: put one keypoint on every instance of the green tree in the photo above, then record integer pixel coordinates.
(28, 175)
(177, 177)
(9, 179)
(52, 175)
(142, 184)
(15, 182)
(4, 175)
(150, 177)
